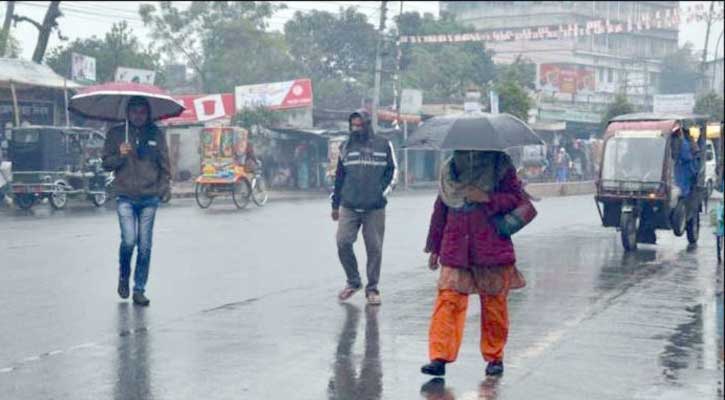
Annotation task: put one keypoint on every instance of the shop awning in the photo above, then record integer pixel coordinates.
(24, 74)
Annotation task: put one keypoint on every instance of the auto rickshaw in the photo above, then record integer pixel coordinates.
(55, 163)
(637, 188)
(226, 169)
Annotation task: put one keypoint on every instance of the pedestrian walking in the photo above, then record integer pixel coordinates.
(366, 173)
(479, 205)
(142, 173)
(563, 162)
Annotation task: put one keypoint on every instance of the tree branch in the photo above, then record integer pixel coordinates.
(19, 18)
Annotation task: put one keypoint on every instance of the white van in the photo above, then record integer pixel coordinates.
(710, 166)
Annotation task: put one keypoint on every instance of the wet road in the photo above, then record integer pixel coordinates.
(243, 307)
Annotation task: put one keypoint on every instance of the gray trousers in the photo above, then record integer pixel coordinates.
(373, 228)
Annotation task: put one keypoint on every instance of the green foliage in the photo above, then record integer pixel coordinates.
(443, 71)
(679, 72)
(249, 118)
(12, 46)
(119, 48)
(710, 104)
(224, 41)
(620, 106)
(513, 98)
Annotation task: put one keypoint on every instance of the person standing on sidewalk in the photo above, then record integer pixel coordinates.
(142, 177)
(366, 173)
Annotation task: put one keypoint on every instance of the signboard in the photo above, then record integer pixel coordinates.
(135, 75)
(276, 96)
(83, 68)
(202, 108)
(570, 115)
(674, 103)
(566, 78)
(411, 101)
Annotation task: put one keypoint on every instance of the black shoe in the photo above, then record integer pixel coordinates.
(435, 368)
(123, 290)
(494, 368)
(140, 299)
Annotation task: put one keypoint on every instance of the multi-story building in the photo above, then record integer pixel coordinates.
(577, 76)
(714, 76)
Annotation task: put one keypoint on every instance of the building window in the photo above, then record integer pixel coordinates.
(601, 75)
(610, 75)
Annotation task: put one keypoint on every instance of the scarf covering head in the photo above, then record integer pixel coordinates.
(479, 169)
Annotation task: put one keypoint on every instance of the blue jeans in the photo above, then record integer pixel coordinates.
(136, 218)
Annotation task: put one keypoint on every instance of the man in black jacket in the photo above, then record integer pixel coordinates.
(366, 173)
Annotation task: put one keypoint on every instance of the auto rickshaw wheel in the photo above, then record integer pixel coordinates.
(259, 192)
(58, 199)
(201, 193)
(693, 229)
(628, 228)
(25, 201)
(99, 199)
(241, 193)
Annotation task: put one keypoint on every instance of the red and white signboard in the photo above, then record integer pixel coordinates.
(276, 96)
(203, 107)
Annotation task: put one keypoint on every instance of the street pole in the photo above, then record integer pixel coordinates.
(707, 39)
(717, 50)
(405, 152)
(65, 95)
(378, 65)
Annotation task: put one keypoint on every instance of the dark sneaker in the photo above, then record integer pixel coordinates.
(494, 368)
(347, 293)
(373, 298)
(435, 368)
(123, 289)
(140, 299)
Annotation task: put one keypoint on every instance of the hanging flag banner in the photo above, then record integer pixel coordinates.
(668, 19)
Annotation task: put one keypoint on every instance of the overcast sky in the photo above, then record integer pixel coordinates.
(88, 18)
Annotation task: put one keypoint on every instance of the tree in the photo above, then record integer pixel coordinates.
(50, 24)
(330, 46)
(620, 106)
(513, 98)
(251, 118)
(444, 71)
(223, 41)
(710, 104)
(119, 48)
(522, 71)
(679, 72)
(5, 31)
(12, 46)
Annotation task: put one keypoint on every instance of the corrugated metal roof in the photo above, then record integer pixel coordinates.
(25, 73)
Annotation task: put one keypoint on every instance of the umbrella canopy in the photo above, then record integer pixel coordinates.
(473, 131)
(108, 101)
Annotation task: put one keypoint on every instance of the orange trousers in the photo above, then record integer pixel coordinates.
(449, 318)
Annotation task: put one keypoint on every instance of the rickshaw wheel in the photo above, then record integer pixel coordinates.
(58, 200)
(628, 228)
(201, 193)
(241, 193)
(693, 229)
(99, 199)
(25, 201)
(259, 192)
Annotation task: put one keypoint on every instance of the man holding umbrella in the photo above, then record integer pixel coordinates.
(138, 155)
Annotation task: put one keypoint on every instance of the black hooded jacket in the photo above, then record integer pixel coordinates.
(366, 170)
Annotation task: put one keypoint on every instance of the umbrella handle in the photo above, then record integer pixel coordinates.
(126, 130)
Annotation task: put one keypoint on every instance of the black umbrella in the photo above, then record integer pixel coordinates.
(473, 131)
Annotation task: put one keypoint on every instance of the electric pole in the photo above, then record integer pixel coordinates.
(378, 64)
